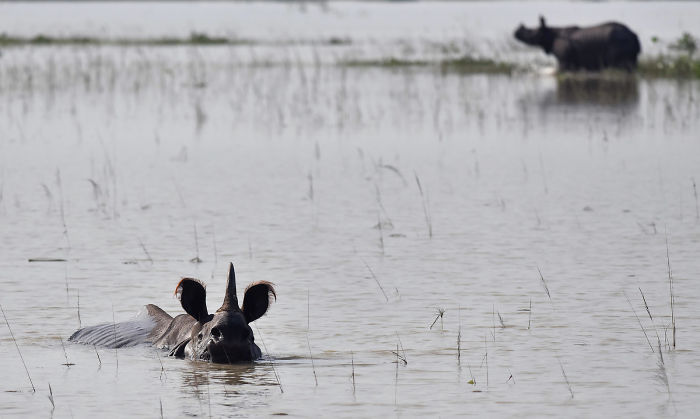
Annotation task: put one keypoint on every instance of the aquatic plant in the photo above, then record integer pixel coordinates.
(464, 65)
(678, 62)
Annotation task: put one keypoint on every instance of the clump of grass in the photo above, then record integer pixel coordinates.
(469, 65)
(338, 41)
(679, 67)
(195, 38)
(473, 380)
(200, 38)
(9, 40)
(679, 63)
(440, 312)
(686, 44)
(386, 63)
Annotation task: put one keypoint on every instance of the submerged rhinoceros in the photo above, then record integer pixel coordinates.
(222, 337)
(593, 48)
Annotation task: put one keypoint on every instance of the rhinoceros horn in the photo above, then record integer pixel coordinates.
(230, 299)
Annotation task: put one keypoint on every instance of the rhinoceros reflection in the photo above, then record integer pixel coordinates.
(598, 89)
(222, 337)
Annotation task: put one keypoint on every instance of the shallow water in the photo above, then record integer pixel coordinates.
(130, 162)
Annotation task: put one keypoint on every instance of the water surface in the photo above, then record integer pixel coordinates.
(130, 162)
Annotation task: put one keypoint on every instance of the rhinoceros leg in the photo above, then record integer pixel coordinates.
(179, 350)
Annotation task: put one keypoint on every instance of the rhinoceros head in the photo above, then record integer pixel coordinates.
(542, 36)
(225, 336)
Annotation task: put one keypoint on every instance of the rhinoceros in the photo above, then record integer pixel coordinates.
(222, 337)
(592, 48)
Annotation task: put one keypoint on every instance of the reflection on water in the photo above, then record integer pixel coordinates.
(196, 373)
(598, 89)
(238, 386)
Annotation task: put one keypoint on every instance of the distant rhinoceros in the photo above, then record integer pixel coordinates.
(593, 48)
(222, 337)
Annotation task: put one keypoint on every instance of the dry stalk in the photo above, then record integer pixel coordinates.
(376, 280)
(308, 342)
(566, 379)
(639, 321)
(426, 212)
(18, 351)
(274, 370)
(670, 289)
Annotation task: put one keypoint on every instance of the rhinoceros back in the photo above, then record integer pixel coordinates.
(117, 335)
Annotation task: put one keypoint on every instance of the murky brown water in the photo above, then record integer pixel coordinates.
(110, 158)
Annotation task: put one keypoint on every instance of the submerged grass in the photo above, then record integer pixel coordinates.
(667, 66)
(195, 38)
(463, 65)
(676, 62)
(661, 66)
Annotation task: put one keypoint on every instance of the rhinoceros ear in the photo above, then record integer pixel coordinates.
(257, 299)
(543, 24)
(193, 298)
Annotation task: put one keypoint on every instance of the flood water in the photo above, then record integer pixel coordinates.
(529, 210)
